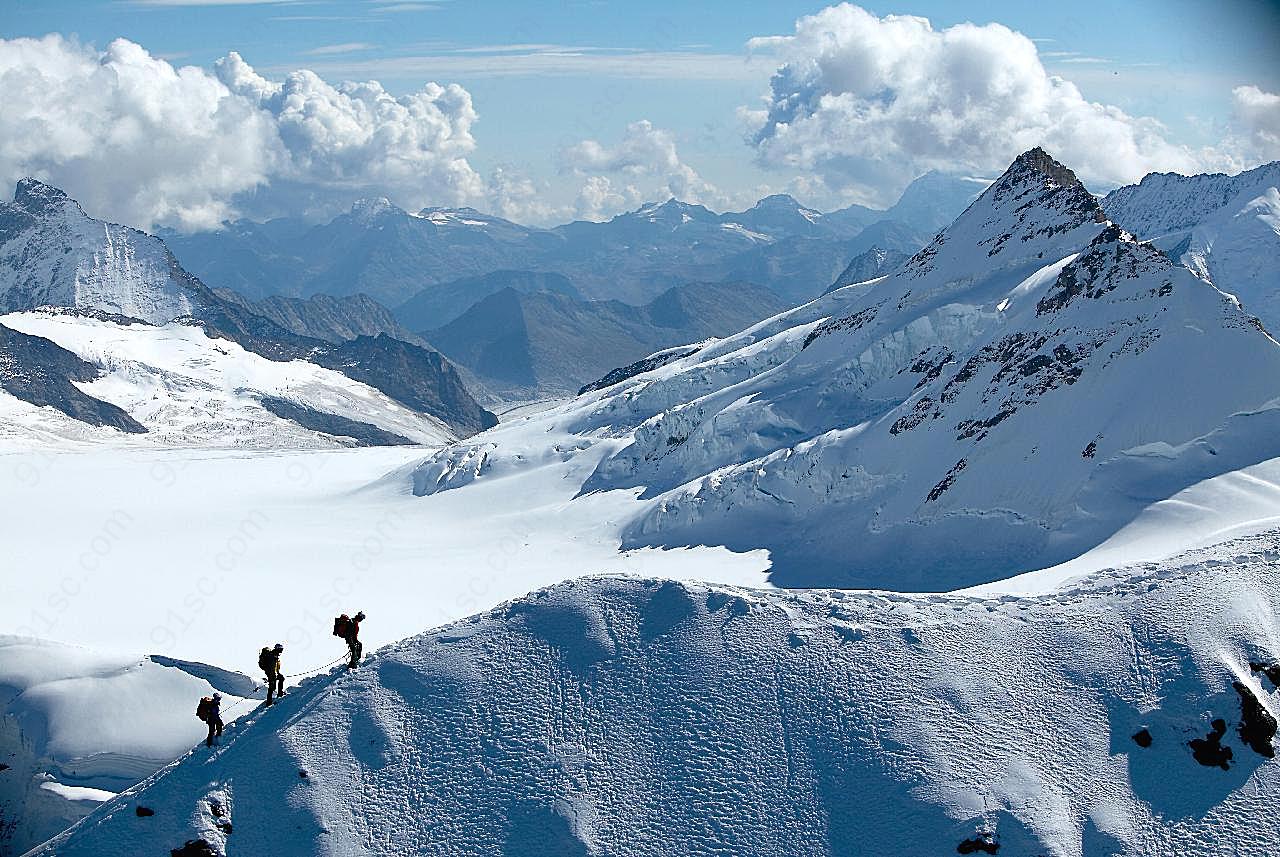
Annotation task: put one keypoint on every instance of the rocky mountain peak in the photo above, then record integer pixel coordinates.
(1037, 160)
(36, 197)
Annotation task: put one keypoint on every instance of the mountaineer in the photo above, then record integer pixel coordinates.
(207, 710)
(269, 662)
(348, 628)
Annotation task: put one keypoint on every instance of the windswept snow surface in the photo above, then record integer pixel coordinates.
(642, 717)
(80, 725)
(188, 388)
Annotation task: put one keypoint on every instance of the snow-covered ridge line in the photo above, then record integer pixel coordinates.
(648, 717)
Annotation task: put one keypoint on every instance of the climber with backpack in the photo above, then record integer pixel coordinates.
(348, 628)
(269, 663)
(207, 710)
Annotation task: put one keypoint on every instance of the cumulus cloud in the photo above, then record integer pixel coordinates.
(869, 102)
(1257, 119)
(145, 143)
(643, 166)
(357, 137)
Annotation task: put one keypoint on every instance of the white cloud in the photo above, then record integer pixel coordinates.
(515, 196)
(140, 141)
(356, 138)
(1257, 119)
(870, 102)
(645, 166)
(128, 134)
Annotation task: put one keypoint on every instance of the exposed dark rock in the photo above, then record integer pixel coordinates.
(1257, 725)
(363, 433)
(653, 361)
(947, 481)
(41, 372)
(984, 842)
(1112, 255)
(1142, 737)
(1090, 450)
(922, 410)
(143, 811)
(1209, 750)
(930, 363)
(195, 848)
(849, 323)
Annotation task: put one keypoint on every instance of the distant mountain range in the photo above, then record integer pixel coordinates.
(395, 256)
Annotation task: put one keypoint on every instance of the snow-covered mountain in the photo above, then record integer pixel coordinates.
(1225, 228)
(875, 262)
(123, 293)
(53, 254)
(1132, 715)
(183, 387)
(996, 404)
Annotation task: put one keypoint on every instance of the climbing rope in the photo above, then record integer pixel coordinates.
(317, 669)
(258, 686)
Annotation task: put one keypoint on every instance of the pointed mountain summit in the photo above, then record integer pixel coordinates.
(37, 198)
(370, 210)
(53, 254)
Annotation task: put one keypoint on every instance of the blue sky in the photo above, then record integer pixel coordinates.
(545, 77)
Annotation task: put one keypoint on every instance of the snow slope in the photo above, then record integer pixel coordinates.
(188, 388)
(80, 725)
(643, 717)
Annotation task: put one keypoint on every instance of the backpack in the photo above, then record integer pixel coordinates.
(205, 708)
(342, 626)
(267, 660)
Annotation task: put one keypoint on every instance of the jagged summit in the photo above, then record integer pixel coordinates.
(35, 197)
(1034, 171)
(1038, 160)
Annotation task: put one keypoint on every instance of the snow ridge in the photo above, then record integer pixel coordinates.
(643, 717)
